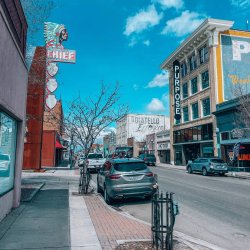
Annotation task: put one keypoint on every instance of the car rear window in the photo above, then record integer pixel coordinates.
(130, 166)
(94, 156)
(217, 160)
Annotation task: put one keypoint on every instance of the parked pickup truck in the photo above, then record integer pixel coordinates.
(95, 161)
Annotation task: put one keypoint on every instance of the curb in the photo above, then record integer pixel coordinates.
(186, 239)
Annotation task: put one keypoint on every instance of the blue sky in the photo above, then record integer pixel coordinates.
(127, 40)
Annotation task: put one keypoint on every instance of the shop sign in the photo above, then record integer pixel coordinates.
(244, 157)
(58, 55)
(55, 34)
(177, 94)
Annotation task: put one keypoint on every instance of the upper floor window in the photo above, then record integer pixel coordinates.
(194, 86)
(195, 112)
(206, 107)
(185, 114)
(192, 62)
(205, 79)
(183, 69)
(203, 54)
(185, 90)
(177, 122)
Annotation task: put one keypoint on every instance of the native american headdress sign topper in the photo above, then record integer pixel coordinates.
(55, 34)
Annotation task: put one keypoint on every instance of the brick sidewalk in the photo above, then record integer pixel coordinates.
(111, 226)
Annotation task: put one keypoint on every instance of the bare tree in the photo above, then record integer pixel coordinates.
(37, 12)
(87, 118)
(242, 98)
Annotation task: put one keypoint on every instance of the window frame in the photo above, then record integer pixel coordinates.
(206, 86)
(203, 54)
(186, 108)
(187, 94)
(191, 83)
(192, 62)
(203, 101)
(192, 105)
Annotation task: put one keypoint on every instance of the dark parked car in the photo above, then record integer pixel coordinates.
(125, 177)
(208, 166)
(149, 159)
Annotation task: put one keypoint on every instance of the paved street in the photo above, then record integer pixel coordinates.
(212, 208)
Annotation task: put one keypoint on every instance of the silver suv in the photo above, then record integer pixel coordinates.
(125, 177)
(207, 166)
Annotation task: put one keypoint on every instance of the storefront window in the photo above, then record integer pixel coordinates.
(7, 152)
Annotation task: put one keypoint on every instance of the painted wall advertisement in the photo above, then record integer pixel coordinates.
(235, 54)
(142, 125)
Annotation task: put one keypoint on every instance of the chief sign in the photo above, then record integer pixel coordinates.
(59, 55)
(177, 96)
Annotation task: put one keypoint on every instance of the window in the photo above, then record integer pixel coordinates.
(192, 62)
(185, 114)
(177, 122)
(194, 87)
(183, 69)
(205, 79)
(203, 54)
(206, 106)
(7, 152)
(195, 112)
(185, 90)
(130, 167)
(225, 135)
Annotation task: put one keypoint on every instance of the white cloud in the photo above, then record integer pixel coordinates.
(160, 80)
(147, 42)
(166, 4)
(143, 20)
(184, 24)
(156, 105)
(242, 4)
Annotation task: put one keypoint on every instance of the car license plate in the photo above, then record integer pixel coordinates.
(133, 178)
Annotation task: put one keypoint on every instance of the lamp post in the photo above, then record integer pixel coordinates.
(218, 142)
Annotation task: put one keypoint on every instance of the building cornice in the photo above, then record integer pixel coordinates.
(208, 30)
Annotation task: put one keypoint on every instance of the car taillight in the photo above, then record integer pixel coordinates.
(149, 174)
(145, 159)
(114, 176)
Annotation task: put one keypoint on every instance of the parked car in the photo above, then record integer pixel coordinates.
(125, 177)
(149, 159)
(95, 161)
(4, 164)
(208, 166)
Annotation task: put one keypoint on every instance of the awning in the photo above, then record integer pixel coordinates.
(59, 145)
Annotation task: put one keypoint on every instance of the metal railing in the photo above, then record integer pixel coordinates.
(164, 211)
(84, 181)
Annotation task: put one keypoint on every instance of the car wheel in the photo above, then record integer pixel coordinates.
(106, 196)
(148, 197)
(190, 171)
(204, 171)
